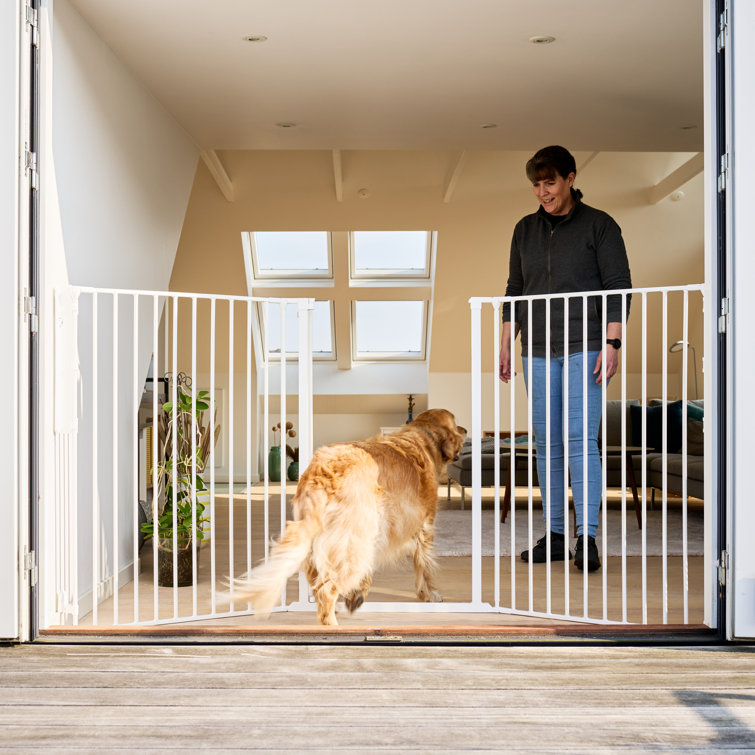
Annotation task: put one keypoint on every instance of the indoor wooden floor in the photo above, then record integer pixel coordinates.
(364, 699)
(600, 596)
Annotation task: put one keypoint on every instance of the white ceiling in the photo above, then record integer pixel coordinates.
(622, 75)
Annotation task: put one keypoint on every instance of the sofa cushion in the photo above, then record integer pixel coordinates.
(695, 466)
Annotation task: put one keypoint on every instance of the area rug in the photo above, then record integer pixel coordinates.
(453, 533)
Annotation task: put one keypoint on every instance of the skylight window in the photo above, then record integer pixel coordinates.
(381, 254)
(291, 254)
(322, 328)
(389, 329)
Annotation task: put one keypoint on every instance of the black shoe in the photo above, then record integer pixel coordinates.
(593, 559)
(539, 554)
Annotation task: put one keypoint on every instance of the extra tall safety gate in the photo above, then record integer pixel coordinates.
(122, 358)
(131, 367)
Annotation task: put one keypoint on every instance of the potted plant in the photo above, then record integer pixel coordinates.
(274, 457)
(179, 479)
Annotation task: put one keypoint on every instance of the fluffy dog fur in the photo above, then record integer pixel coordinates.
(357, 506)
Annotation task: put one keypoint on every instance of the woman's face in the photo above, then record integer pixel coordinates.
(554, 194)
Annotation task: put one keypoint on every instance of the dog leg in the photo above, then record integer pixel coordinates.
(356, 597)
(326, 594)
(425, 567)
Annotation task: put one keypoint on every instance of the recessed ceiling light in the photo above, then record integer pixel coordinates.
(489, 125)
(255, 38)
(286, 124)
(676, 196)
(542, 40)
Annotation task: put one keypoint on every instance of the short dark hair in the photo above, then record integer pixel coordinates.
(549, 161)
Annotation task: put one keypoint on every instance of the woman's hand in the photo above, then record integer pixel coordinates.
(611, 357)
(504, 364)
(504, 358)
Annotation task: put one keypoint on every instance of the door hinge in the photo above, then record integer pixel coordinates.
(32, 21)
(723, 29)
(31, 169)
(723, 319)
(30, 565)
(723, 175)
(30, 309)
(723, 568)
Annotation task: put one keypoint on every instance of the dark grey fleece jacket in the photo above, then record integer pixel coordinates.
(584, 252)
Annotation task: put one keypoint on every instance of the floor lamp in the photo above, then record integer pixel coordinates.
(678, 346)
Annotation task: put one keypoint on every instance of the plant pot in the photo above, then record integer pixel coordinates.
(165, 566)
(274, 464)
(293, 471)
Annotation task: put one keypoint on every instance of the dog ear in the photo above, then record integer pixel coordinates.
(449, 447)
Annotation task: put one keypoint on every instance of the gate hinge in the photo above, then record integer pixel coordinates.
(30, 565)
(30, 309)
(32, 21)
(723, 28)
(723, 568)
(31, 169)
(723, 319)
(723, 176)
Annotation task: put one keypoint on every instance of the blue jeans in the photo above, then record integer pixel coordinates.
(553, 490)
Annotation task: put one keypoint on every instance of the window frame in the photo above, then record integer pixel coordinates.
(389, 356)
(387, 274)
(291, 274)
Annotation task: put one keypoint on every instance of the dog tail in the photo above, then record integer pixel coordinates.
(262, 585)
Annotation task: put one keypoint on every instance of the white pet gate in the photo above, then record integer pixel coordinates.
(118, 352)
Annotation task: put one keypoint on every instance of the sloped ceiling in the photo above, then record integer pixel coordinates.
(417, 74)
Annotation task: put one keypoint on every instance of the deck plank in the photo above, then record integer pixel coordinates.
(239, 698)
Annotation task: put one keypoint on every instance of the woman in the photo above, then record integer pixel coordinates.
(566, 246)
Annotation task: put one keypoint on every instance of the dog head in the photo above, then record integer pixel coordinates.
(441, 425)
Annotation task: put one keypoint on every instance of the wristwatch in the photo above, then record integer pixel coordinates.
(615, 342)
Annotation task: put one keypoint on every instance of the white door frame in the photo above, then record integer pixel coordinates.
(15, 40)
(741, 588)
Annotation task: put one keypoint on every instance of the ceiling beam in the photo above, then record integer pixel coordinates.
(454, 177)
(587, 161)
(678, 178)
(212, 161)
(338, 174)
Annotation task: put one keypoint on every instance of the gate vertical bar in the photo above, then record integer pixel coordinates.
(644, 444)
(476, 311)
(248, 444)
(96, 514)
(496, 457)
(603, 464)
(135, 444)
(174, 454)
(115, 460)
(213, 503)
(304, 315)
(266, 423)
(567, 581)
(512, 452)
(231, 573)
(685, 555)
(283, 395)
(155, 444)
(194, 543)
(664, 446)
(548, 440)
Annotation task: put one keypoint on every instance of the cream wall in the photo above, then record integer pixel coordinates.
(291, 190)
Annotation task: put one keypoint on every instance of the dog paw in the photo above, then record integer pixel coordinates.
(354, 600)
(431, 596)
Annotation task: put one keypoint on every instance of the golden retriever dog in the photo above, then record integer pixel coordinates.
(357, 506)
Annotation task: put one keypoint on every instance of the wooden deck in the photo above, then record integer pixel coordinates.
(305, 698)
